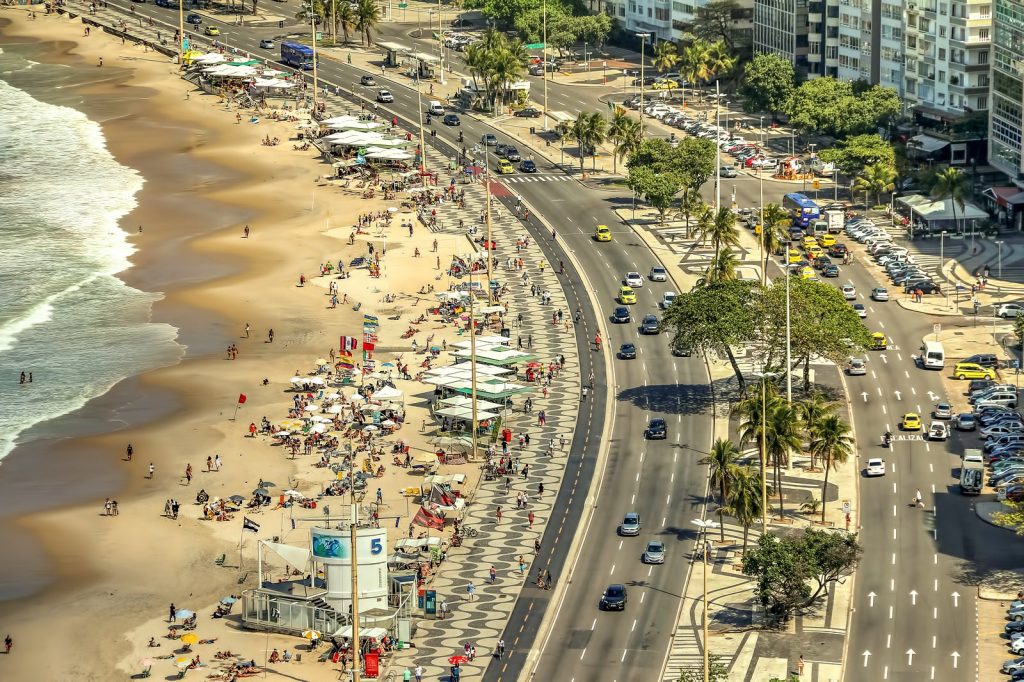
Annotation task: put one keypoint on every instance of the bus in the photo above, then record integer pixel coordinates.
(297, 56)
(801, 209)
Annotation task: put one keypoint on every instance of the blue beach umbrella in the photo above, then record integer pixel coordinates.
(183, 613)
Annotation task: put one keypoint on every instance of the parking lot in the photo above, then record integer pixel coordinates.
(992, 640)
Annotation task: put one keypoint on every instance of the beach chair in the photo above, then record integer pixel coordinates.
(221, 559)
(145, 672)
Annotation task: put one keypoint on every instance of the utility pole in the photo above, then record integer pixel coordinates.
(643, 43)
(353, 537)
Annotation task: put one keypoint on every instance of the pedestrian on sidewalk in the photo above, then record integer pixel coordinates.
(800, 665)
(497, 515)
(493, 575)
(152, 469)
(522, 565)
(419, 669)
(501, 648)
(530, 517)
(470, 590)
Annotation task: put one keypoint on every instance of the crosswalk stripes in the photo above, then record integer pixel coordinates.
(537, 178)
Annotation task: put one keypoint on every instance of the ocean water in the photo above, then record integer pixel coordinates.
(64, 315)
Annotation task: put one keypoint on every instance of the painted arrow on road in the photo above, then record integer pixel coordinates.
(910, 656)
(883, 358)
(932, 396)
(865, 396)
(956, 599)
(956, 658)
(913, 597)
(898, 396)
(871, 598)
(867, 655)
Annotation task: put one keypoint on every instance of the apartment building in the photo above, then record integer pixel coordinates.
(1007, 120)
(674, 19)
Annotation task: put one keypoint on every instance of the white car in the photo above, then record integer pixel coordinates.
(938, 431)
(849, 292)
(880, 294)
(856, 367)
(666, 299)
(385, 97)
(876, 467)
(633, 279)
(1010, 310)
(658, 274)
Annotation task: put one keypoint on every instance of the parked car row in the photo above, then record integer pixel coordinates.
(897, 261)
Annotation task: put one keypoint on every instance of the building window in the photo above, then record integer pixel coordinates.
(981, 103)
(983, 34)
(983, 57)
(942, 53)
(661, 14)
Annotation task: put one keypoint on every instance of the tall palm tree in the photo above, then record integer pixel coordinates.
(720, 61)
(718, 227)
(722, 268)
(589, 130)
(878, 178)
(951, 183)
(665, 56)
(749, 411)
(691, 204)
(782, 437)
(722, 463)
(833, 444)
(624, 133)
(695, 63)
(774, 221)
(504, 69)
(344, 18)
(812, 410)
(745, 498)
(367, 18)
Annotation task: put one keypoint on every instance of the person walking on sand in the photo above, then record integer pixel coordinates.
(247, 330)
(171, 617)
(209, 463)
(188, 474)
(245, 232)
(152, 469)
(270, 336)
(106, 507)
(8, 643)
(216, 462)
(130, 451)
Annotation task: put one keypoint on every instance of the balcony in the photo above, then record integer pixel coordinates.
(912, 8)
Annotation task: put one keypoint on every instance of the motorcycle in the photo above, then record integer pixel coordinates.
(886, 440)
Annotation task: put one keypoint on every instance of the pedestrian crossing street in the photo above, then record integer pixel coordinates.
(536, 177)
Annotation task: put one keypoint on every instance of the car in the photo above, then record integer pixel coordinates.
(979, 385)
(621, 315)
(826, 241)
(728, 172)
(809, 242)
(630, 525)
(984, 359)
(505, 167)
(657, 429)
(633, 279)
(794, 256)
(614, 598)
(876, 467)
(267, 44)
(970, 370)
(830, 270)
(658, 274)
(603, 234)
(666, 300)
(1012, 665)
(965, 421)
(808, 273)
(528, 166)
(880, 294)
(367, 80)
(650, 324)
(627, 351)
(654, 553)
(385, 97)
(451, 120)
(1010, 310)
(942, 411)
(837, 250)
(849, 292)
(911, 422)
(856, 367)
(511, 153)
(928, 287)
(861, 311)
(937, 431)
(528, 112)
(627, 296)
(489, 140)
(1002, 428)
(879, 341)
(211, 31)
(821, 261)
(193, 19)
(680, 350)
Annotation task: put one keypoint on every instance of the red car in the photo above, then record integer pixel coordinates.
(747, 163)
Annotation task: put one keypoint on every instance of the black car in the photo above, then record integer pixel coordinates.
(193, 19)
(837, 250)
(621, 314)
(627, 351)
(924, 288)
(367, 80)
(657, 430)
(528, 166)
(649, 325)
(614, 598)
(979, 385)
(984, 359)
(511, 153)
(681, 351)
(528, 112)
(451, 120)
(830, 270)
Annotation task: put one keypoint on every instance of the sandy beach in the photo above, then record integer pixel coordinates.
(207, 177)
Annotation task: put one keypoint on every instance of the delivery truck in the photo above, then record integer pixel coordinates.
(836, 220)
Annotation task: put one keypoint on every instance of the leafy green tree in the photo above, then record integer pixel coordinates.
(722, 471)
(717, 671)
(1013, 518)
(952, 183)
(854, 154)
(664, 57)
(768, 81)
(832, 443)
(712, 318)
(714, 22)
(1018, 330)
(367, 17)
(656, 189)
(876, 179)
(840, 107)
(745, 499)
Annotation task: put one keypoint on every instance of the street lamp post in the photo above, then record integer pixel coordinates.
(181, 34)
(999, 244)
(764, 377)
(544, 59)
(718, 153)
(440, 43)
(835, 183)
(892, 209)
(705, 526)
(643, 43)
(942, 263)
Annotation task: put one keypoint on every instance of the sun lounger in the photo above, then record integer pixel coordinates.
(221, 559)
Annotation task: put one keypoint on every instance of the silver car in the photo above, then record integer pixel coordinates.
(655, 552)
(630, 524)
(942, 411)
(658, 274)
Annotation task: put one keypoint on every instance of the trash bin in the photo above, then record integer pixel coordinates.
(280, 24)
(533, 130)
(506, 332)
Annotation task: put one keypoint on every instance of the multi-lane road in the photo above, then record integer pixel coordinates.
(914, 617)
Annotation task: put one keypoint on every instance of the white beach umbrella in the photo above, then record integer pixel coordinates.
(334, 409)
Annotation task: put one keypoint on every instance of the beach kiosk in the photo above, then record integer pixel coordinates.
(392, 53)
(425, 64)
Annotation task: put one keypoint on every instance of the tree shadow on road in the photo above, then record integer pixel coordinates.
(687, 399)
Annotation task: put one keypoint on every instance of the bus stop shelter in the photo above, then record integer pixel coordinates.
(392, 53)
(425, 64)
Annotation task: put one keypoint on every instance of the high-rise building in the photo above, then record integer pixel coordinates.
(782, 27)
(674, 19)
(1007, 114)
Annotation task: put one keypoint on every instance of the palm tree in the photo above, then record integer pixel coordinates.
(749, 411)
(722, 462)
(695, 63)
(876, 179)
(367, 17)
(833, 444)
(745, 498)
(718, 227)
(344, 18)
(774, 221)
(782, 437)
(719, 60)
(624, 133)
(691, 204)
(812, 411)
(665, 56)
(504, 69)
(951, 183)
(589, 130)
(722, 267)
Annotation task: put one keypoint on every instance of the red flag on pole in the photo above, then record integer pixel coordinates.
(241, 398)
(425, 518)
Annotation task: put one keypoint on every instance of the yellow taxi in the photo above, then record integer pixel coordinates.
(826, 240)
(795, 256)
(809, 241)
(815, 252)
(664, 84)
(807, 272)
(212, 31)
(970, 370)
(878, 341)
(627, 295)
(603, 234)
(505, 167)
(911, 422)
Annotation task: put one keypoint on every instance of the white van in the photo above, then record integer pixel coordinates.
(933, 355)
(435, 108)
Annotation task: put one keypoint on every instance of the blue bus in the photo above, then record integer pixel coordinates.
(801, 209)
(297, 56)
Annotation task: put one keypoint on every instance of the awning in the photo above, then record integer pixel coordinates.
(927, 144)
(942, 210)
(364, 633)
(1005, 196)
(296, 557)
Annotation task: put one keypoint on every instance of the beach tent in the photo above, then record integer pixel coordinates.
(466, 401)
(272, 83)
(388, 393)
(390, 155)
(465, 413)
(497, 355)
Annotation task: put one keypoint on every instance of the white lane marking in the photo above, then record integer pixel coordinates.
(620, 544)
(894, 558)
(890, 612)
(668, 499)
(912, 389)
(893, 533)
(633, 501)
(888, 641)
(634, 626)
(583, 653)
(593, 625)
(613, 570)
(642, 595)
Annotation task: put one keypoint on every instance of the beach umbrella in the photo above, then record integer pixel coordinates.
(146, 662)
(182, 661)
(357, 398)
(189, 638)
(322, 420)
(267, 484)
(320, 361)
(293, 493)
(332, 396)
(298, 380)
(388, 423)
(228, 600)
(387, 364)
(458, 659)
(392, 209)
(183, 613)
(237, 499)
(311, 634)
(371, 428)
(319, 428)
(334, 409)
(261, 491)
